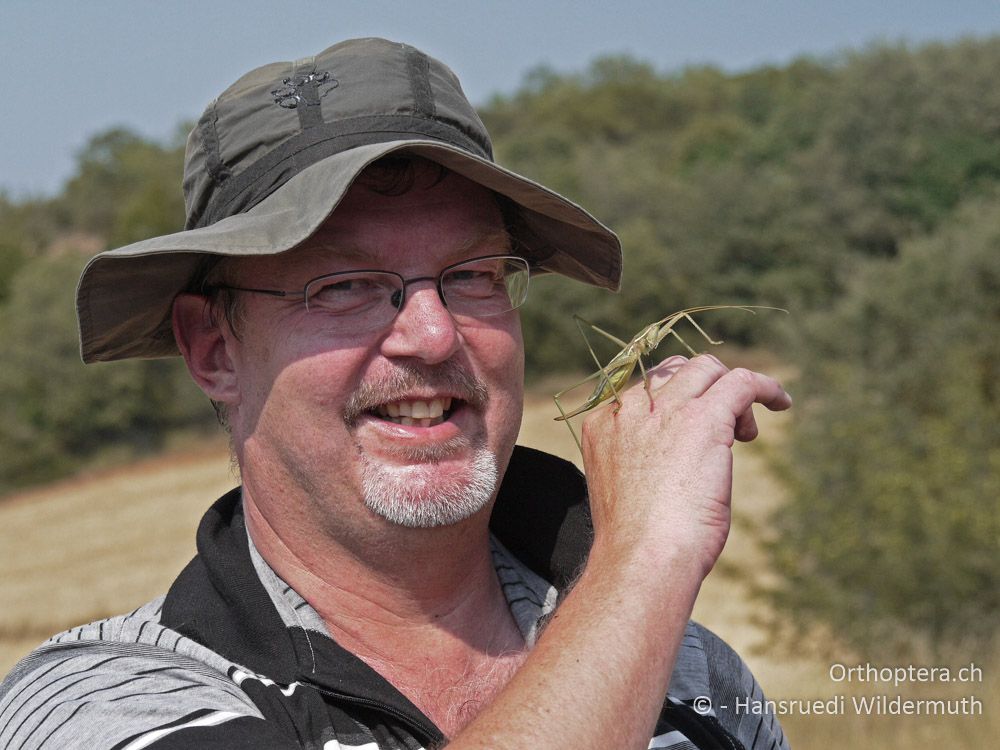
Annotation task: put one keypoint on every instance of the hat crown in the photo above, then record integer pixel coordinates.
(283, 117)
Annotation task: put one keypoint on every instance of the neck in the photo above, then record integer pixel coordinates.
(412, 583)
(413, 570)
(428, 615)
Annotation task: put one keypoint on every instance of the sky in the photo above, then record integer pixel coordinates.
(73, 69)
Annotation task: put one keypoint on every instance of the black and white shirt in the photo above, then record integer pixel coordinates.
(234, 657)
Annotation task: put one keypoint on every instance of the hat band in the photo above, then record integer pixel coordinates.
(238, 193)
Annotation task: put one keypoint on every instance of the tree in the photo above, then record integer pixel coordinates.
(55, 412)
(892, 531)
(125, 188)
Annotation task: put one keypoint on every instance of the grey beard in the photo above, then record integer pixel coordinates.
(412, 502)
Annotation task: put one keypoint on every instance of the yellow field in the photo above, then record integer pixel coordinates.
(103, 544)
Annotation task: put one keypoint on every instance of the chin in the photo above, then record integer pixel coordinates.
(428, 495)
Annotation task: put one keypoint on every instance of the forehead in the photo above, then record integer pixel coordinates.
(439, 222)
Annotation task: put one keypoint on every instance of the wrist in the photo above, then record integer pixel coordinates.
(657, 572)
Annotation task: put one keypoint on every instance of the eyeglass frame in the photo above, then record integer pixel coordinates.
(404, 282)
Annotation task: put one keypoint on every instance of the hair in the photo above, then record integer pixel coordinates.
(398, 174)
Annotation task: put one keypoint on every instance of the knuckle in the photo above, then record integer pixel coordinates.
(743, 375)
(670, 363)
(710, 363)
(742, 384)
(628, 394)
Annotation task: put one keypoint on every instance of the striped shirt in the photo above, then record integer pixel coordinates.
(232, 656)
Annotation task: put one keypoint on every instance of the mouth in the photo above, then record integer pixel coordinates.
(417, 412)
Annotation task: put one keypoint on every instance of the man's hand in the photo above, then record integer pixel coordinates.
(660, 479)
(659, 468)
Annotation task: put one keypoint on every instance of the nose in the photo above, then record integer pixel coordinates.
(423, 329)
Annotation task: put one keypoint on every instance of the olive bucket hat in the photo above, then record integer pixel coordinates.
(272, 157)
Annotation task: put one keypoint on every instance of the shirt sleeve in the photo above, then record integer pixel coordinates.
(98, 694)
(736, 697)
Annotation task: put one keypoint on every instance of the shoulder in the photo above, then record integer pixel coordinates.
(114, 681)
(709, 668)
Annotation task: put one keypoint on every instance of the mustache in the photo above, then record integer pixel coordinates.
(403, 379)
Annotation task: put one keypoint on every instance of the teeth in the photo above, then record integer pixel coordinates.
(423, 413)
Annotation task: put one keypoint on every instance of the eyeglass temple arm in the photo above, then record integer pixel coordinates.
(271, 292)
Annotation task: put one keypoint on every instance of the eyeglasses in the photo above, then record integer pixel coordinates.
(366, 300)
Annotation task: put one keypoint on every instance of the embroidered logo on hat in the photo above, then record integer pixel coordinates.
(307, 90)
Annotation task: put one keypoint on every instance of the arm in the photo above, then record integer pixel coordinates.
(660, 478)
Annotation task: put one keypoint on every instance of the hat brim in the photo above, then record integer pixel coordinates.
(124, 304)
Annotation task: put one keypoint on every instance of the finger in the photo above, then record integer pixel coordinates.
(746, 427)
(740, 388)
(693, 378)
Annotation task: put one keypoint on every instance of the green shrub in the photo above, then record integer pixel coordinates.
(56, 412)
(892, 532)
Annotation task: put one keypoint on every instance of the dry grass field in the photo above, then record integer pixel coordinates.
(104, 543)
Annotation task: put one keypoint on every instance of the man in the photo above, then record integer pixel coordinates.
(346, 294)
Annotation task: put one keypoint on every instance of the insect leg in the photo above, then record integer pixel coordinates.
(608, 376)
(599, 330)
(700, 330)
(645, 381)
(564, 418)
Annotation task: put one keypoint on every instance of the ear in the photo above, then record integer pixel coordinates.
(203, 343)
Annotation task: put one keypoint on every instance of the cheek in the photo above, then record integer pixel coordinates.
(503, 360)
(296, 386)
(501, 352)
(321, 381)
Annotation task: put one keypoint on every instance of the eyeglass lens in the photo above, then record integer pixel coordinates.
(478, 288)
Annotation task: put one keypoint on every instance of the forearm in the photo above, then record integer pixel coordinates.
(659, 471)
(598, 675)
